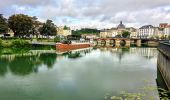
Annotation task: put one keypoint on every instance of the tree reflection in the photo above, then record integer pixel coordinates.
(3, 66)
(25, 64)
(48, 59)
(22, 65)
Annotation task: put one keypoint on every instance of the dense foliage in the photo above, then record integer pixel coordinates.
(3, 24)
(126, 34)
(57, 39)
(86, 31)
(35, 27)
(0, 42)
(20, 24)
(48, 29)
(20, 44)
(66, 28)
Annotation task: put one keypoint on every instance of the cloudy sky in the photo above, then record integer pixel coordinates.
(92, 13)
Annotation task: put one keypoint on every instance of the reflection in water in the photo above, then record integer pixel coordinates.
(48, 59)
(3, 66)
(90, 77)
(25, 64)
(147, 53)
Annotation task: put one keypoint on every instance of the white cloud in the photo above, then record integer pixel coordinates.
(92, 13)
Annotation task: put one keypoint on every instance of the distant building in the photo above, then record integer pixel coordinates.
(121, 26)
(166, 28)
(113, 32)
(163, 25)
(133, 32)
(11, 33)
(147, 31)
(63, 32)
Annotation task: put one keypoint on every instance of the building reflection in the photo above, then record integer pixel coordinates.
(145, 52)
(148, 53)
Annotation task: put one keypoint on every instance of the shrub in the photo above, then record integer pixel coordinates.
(57, 39)
(20, 44)
(0, 42)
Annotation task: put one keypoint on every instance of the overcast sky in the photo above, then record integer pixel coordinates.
(92, 13)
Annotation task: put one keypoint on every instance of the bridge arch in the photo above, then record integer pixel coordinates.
(122, 43)
(113, 42)
(103, 42)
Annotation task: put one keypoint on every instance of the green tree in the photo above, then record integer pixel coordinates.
(0, 42)
(20, 24)
(126, 34)
(57, 39)
(162, 37)
(66, 28)
(169, 37)
(36, 23)
(86, 31)
(48, 29)
(3, 24)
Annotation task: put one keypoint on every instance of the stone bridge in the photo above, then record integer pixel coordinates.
(117, 42)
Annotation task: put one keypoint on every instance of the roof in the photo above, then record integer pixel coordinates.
(146, 26)
(121, 25)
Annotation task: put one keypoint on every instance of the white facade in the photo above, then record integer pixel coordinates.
(146, 31)
(167, 31)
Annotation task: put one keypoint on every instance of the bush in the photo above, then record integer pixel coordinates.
(0, 42)
(20, 44)
(57, 39)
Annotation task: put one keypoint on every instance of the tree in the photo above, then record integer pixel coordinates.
(86, 31)
(48, 29)
(162, 37)
(126, 34)
(20, 24)
(34, 30)
(66, 28)
(3, 24)
(169, 37)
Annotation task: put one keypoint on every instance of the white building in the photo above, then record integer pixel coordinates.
(167, 30)
(147, 31)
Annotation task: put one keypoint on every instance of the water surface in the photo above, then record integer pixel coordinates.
(45, 75)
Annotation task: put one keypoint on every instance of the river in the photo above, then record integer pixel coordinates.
(95, 74)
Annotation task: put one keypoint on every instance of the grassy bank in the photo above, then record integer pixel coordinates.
(12, 46)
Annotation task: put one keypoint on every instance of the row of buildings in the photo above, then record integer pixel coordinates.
(146, 31)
